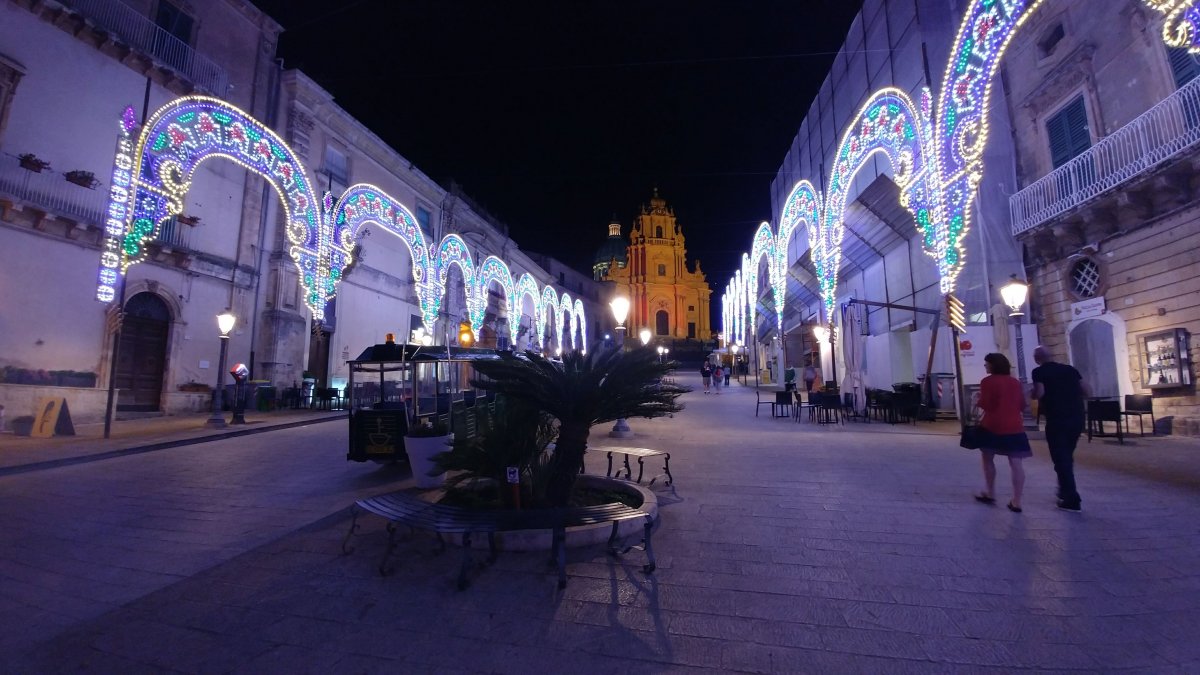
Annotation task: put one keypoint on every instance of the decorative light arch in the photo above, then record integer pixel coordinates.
(153, 169)
(362, 204)
(581, 318)
(493, 270)
(1181, 27)
(527, 287)
(152, 175)
(549, 308)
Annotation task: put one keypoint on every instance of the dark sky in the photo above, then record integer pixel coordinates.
(554, 115)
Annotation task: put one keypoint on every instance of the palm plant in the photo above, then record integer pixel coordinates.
(579, 392)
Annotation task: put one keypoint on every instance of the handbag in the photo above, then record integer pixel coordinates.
(973, 436)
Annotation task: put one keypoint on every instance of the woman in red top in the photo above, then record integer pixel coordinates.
(1003, 403)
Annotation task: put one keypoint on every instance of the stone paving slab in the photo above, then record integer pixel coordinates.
(782, 548)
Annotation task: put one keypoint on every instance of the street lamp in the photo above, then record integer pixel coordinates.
(1014, 294)
(620, 310)
(225, 322)
(645, 335)
(661, 350)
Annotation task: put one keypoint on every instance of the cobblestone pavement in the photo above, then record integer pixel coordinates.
(782, 548)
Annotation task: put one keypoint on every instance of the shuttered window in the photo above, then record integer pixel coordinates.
(1183, 65)
(1068, 132)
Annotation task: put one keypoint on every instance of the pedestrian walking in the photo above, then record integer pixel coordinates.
(810, 376)
(1003, 403)
(1060, 392)
(706, 375)
(718, 379)
(728, 372)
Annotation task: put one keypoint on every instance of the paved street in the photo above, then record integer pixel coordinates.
(783, 548)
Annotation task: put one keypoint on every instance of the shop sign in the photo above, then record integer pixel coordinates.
(1088, 308)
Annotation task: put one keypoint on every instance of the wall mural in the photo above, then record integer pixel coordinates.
(152, 173)
(936, 156)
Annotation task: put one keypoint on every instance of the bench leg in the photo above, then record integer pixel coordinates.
(560, 555)
(608, 474)
(628, 470)
(641, 468)
(353, 528)
(650, 566)
(612, 541)
(493, 553)
(384, 570)
(466, 562)
(667, 469)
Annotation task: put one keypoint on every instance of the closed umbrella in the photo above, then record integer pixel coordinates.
(999, 314)
(852, 349)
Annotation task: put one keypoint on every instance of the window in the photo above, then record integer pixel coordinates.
(662, 323)
(561, 279)
(658, 232)
(337, 173)
(171, 44)
(1085, 278)
(1183, 65)
(691, 330)
(662, 270)
(10, 76)
(173, 20)
(691, 308)
(1068, 132)
(1050, 40)
(423, 216)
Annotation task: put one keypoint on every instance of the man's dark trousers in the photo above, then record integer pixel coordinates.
(1062, 436)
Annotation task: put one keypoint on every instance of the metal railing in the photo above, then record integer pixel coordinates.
(141, 33)
(51, 192)
(174, 235)
(1162, 132)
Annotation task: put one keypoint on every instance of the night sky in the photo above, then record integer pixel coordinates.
(556, 115)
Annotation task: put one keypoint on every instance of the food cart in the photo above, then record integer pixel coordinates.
(393, 387)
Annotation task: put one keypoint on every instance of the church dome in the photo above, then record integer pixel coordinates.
(614, 247)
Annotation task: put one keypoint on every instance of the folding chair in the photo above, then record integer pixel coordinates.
(760, 403)
(1139, 405)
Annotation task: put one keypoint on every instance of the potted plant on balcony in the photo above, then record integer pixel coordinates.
(31, 162)
(425, 440)
(188, 220)
(85, 179)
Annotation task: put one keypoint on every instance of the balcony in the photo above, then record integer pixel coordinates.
(1162, 133)
(49, 191)
(126, 25)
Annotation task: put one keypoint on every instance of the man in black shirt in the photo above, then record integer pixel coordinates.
(1061, 391)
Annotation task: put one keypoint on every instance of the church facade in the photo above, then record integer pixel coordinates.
(664, 294)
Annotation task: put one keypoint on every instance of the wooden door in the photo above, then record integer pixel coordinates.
(143, 353)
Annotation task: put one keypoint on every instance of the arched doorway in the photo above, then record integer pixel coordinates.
(143, 353)
(662, 323)
(1094, 351)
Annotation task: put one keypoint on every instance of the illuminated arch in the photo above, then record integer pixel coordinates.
(762, 249)
(527, 287)
(566, 322)
(581, 333)
(362, 204)
(494, 270)
(549, 307)
(889, 124)
(1181, 27)
(152, 175)
(453, 251)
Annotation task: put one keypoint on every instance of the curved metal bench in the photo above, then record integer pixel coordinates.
(418, 514)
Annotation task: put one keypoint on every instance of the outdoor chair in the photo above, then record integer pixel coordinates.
(829, 410)
(850, 407)
(783, 401)
(802, 404)
(760, 403)
(1099, 412)
(1139, 405)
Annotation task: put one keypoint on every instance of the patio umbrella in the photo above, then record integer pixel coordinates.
(999, 314)
(852, 349)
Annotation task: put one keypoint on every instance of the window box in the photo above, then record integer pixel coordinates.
(85, 179)
(30, 162)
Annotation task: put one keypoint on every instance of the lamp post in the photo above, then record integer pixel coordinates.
(620, 310)
(661, 350)
(225, 323)
(734, 348)
(644, 335)
(1014, 293)
(824, 335)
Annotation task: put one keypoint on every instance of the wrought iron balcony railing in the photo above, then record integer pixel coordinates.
(51, 192)
(1168, 129)
(141, 33)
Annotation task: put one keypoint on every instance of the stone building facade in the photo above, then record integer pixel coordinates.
(1107, 125)
(67, 70)
(664, 294)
